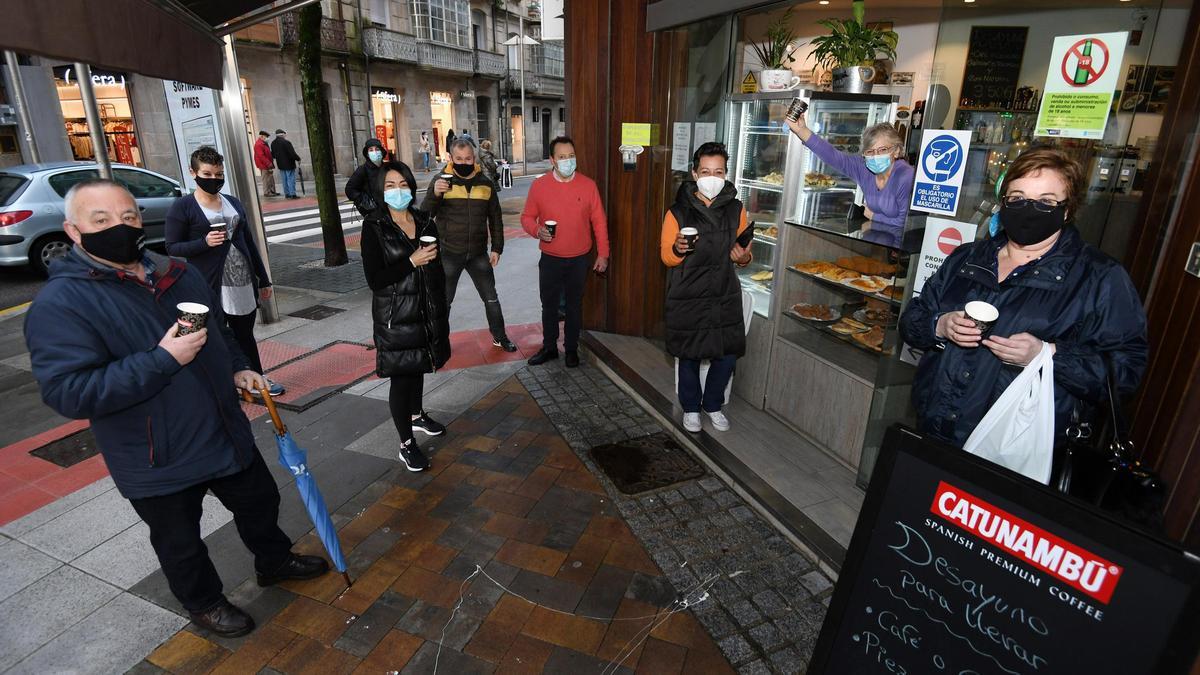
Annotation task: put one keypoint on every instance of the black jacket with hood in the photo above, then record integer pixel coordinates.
(358, 188)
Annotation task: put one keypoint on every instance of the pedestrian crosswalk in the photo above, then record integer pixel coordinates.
(301, 225)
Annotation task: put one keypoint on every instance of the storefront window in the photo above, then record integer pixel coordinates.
(445, 21)
(116, 115)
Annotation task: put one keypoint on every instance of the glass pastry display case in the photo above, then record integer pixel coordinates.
(837, 282)
(758, 147)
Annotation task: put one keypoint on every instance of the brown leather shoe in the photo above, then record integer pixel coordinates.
(225, 620)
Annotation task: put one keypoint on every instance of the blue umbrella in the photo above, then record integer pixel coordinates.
(295, 459)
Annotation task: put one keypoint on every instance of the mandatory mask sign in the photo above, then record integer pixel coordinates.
(940, 168)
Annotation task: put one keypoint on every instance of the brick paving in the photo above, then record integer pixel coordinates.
(507, 495)
(766, 608)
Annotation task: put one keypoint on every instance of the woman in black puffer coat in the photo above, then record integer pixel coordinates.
(411, 323)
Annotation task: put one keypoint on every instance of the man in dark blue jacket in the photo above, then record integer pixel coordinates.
(105, 347)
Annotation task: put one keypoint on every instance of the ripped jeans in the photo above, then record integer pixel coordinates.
(480, 269)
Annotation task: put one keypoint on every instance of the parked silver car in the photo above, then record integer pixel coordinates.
(31, 207)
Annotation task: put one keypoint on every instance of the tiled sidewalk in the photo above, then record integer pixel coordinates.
(508, 495)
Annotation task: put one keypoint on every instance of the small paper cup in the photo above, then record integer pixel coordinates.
(690, 234)
(552, 226)
(427, 241)
(193, 316)
(983, 314)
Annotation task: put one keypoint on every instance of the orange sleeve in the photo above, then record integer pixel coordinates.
(670, 230)
(742, 228)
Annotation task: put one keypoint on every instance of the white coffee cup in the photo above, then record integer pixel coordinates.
(777, 80)
(192, 317)
(552, 227)
(983, 314)
(690, 234)
(428, 241)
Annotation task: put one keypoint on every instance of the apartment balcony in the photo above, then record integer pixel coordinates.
(333, 32)
(438, 56)
(491, 65)
(389, 45)
(536, 83)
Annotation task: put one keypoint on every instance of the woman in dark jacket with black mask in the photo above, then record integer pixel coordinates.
(411, 326)
(704, 297)
(1049, 287)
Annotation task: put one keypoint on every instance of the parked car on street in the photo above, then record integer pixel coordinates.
(31, 207)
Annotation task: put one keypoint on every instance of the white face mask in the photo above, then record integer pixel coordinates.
(710, 186)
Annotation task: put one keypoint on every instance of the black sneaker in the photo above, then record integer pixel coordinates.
(412, 457)
(504, 343)
(427, 425)
(543, 356)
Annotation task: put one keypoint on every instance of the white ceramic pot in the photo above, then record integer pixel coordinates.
(777, 80)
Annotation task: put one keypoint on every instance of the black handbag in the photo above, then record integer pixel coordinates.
(1100, 467)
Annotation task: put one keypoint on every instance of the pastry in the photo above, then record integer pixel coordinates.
(814, 179)
(765, 275)
(849, 326)
(813, 312)
(814, 267)
(893, 293)
(866, 265)
(872, 338)
(839, 274)
(869, 284)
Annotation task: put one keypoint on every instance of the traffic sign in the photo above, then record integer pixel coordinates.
(948, 240)
(940, 167)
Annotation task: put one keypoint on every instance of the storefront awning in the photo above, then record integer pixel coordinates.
(167, 39)
(670, 13)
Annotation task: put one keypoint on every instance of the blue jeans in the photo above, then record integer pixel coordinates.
(289, 182)
(719, 372)
(425, 161)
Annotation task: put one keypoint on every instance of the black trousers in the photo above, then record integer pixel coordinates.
(484, 277)
(174, 522)
(243, 330)
(404, 399)
(558, 277)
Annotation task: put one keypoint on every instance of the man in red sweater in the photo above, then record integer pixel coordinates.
(572, 202)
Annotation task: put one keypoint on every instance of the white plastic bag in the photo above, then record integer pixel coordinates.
(1018, 432)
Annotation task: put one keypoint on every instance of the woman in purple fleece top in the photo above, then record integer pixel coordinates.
(885, 179)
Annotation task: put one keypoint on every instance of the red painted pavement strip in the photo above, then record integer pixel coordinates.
(28, 483)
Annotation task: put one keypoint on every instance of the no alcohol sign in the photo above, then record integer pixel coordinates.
(1080, 81)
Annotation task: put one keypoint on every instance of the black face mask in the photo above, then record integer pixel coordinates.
(210, 185)
(464, 170)
(122, 244)
(1026, 226)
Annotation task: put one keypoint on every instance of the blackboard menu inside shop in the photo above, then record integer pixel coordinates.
(961, 567)
(993, 70)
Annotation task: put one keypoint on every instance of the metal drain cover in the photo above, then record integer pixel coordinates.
(646, 463)
(70, 450)
(317, 312)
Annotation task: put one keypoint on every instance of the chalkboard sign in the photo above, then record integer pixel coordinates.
(993, 69)
(959, 566)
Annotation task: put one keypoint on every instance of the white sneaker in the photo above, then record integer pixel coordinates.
(719, 421)
(691, 422)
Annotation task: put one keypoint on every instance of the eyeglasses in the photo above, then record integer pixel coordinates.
(1045, 204)
(879, 151)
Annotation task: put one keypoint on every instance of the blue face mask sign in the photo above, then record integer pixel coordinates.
(398, 198)
(940, 168)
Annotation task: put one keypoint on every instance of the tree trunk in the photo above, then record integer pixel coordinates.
(320, 137)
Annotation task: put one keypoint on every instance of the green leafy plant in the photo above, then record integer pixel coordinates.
(777, 51)
(852, 43)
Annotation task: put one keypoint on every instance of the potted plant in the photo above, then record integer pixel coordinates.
(775, 54)
(850, 50)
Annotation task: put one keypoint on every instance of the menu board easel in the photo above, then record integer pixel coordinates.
(960, 566)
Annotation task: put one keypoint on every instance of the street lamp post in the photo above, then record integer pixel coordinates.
(522, 40)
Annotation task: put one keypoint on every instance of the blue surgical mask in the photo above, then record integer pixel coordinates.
(879, 163)
(375, 156)
(994, 225)
(398, 198)
(566, 167)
